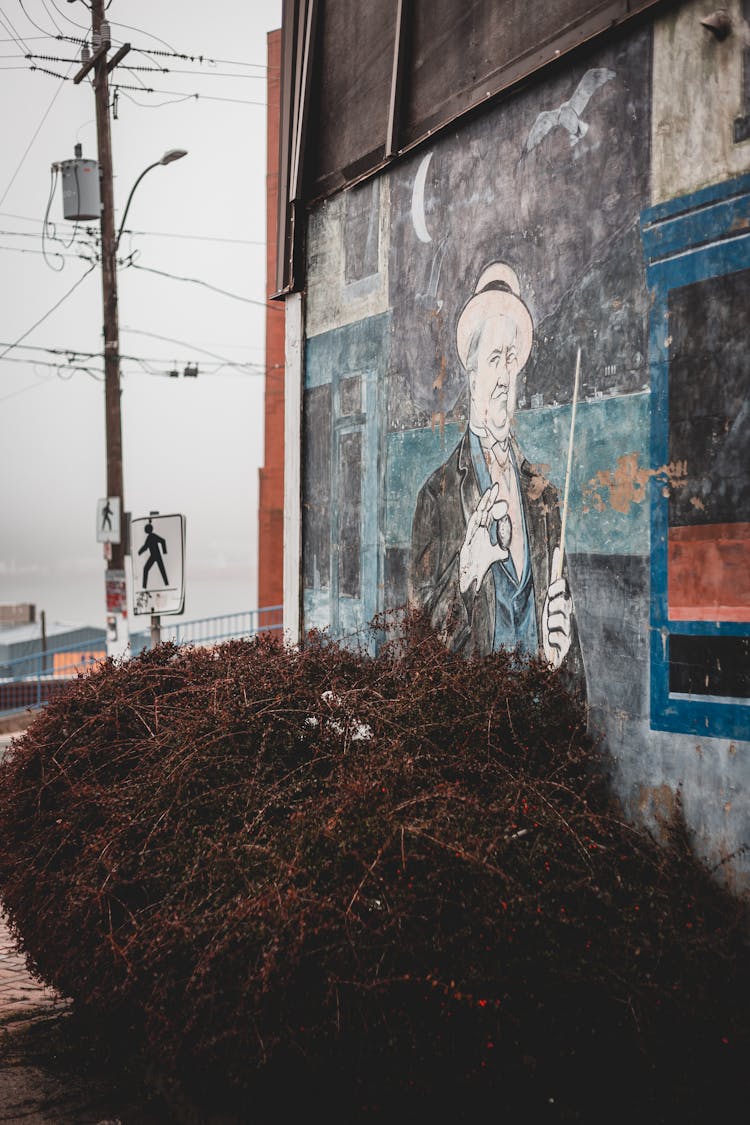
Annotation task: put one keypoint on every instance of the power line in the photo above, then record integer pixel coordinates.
(202, 60)
(127, 26)
(206, 285)
(194, 237)
(55, 253)
(92, 232)
(194, 73)
(48, 313)
(69, 18)
(31, 21)
(171, 340)
(63, 14)
(73, 365)
(34, 137)
(183, 95)
(45, 70)
(73, 355)
(22, 391)
(145, 69)
(146, 366)
(34, 234)
(7, 24)
(151, 90)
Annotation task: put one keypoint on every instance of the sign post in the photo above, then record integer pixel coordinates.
(158, 554)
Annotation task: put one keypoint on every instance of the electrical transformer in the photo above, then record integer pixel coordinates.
(80, 182)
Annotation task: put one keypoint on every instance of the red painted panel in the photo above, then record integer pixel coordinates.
(709, 572)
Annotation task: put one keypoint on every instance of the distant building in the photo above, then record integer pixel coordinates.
(23, 613)
(65, 647)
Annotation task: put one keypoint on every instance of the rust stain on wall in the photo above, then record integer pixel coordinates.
(628, 484)
(658, 804)
(438, 422)
(440, 377)
(539, 480)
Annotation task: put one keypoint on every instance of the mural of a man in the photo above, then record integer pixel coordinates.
(485, 554)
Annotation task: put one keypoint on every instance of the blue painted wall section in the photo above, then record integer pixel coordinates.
(689, 241)
(543, 435)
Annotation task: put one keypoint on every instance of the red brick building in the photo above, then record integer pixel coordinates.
(271, 492)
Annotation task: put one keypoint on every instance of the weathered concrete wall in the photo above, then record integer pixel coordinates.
(447, 302)
(698, 94)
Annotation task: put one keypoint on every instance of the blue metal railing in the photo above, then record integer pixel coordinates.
(211, 630)
(33, 679)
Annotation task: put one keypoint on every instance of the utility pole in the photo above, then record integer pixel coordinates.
(116, 591)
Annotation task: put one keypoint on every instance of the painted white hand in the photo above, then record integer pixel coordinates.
(558, 609)
(478, 552)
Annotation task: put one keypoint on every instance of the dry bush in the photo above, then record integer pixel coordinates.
(386, 885)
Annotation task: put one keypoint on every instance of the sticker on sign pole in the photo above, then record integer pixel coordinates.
(158, 554)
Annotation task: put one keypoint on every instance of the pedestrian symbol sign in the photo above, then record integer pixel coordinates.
(108, 519)
(158, 557)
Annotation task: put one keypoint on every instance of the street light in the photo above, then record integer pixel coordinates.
(170, 155)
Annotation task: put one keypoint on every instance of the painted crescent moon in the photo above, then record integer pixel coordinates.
(417, 201)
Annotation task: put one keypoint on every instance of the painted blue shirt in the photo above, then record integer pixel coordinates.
(515, 616)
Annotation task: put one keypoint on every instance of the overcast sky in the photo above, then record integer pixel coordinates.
(190, 445)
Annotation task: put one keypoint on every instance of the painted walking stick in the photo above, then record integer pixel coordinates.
(568, 469)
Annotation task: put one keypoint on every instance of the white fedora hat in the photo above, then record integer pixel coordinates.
(496, 294)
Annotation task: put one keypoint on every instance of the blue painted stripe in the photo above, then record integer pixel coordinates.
(709, 628)
(701, 263)
(712, 194)
(697, 228)
(659, 456)
(712, 719)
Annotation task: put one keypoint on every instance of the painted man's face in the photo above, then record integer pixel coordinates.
(493, 384)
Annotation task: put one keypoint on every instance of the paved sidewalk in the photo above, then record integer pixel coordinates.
(22, 999)
(42, 1082)
(44, 1078)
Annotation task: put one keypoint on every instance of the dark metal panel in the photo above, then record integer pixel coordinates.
(353, 80)
(463, 54)
(287, 118)
(401, 42)
(299, 33)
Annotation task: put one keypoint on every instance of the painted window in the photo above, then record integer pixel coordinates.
(341, 552)
(698, 254)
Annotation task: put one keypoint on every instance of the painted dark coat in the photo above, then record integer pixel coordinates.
(444, 505)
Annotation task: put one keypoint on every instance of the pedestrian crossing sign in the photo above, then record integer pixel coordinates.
(158, 564)
(108, 519)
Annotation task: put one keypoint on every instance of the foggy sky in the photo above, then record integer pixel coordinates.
(189, 445)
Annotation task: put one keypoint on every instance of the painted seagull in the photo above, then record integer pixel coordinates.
(569, 113)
